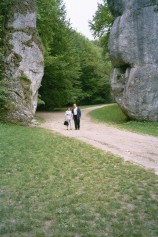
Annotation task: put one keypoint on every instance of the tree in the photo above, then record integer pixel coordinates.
(101, 26)
(102, 23)
(60, 85)
(93, 78)
(74, 67)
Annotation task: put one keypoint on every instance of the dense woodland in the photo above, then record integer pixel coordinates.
(77, 70)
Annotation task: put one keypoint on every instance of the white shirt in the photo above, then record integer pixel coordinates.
(75, 111)
(68, 115)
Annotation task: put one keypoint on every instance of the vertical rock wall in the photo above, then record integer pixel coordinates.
(24, 61)
(133, 47)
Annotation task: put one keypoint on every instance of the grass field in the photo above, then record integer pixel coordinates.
(113, 115)
(56, 186)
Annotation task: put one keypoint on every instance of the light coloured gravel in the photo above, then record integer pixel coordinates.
(140, 149)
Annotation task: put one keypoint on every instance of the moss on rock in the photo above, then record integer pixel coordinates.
(23, 64)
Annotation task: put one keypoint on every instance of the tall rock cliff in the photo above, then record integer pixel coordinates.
(133, 47)
(24, 61)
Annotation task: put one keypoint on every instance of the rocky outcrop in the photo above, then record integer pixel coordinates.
(23, 61)
(133, 48)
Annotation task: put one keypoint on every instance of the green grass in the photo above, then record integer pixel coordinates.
(56, 186)
(113, 115)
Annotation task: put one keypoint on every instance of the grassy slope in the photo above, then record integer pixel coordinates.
(113, 115)
(56, 186)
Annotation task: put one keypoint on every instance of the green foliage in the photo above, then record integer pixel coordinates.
(48, 17)
(4, 8)
(101, 26)
(2, 21)
(56, 186)
(94, 72)
(62, 69)
(3, 95)
(113, 115)
(75, 71)
(102, 20)
(102, 23)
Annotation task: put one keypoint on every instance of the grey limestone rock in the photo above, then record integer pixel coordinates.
(133, 48)
(24, 63)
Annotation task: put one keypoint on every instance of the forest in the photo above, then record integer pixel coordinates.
(77, 70)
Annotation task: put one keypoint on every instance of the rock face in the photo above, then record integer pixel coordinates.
(24, 62)
(133, 47)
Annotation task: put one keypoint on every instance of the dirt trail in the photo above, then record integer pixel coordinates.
(140, 149)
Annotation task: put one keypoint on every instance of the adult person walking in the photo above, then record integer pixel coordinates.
(68, 117)
(76, 116)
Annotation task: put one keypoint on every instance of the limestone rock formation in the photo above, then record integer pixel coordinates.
(24, 61)
(133, 47)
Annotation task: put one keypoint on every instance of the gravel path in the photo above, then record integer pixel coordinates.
(140, 149)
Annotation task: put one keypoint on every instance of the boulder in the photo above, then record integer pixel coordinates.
(133, 47)
(24, 62)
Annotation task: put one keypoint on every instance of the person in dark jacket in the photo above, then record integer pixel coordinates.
(76, 116)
